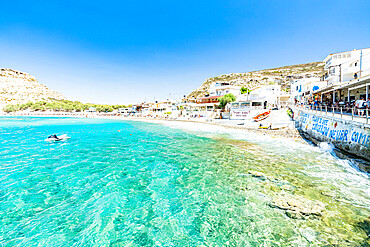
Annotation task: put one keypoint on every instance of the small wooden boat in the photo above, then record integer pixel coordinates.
(269, 127)
(261, 116)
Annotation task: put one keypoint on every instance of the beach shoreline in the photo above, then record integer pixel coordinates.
(228, 127)
(288, 132)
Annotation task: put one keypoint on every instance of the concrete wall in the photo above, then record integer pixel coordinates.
(343, 134)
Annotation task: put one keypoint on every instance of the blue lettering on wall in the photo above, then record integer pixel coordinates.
(322, 126)
(360, 138)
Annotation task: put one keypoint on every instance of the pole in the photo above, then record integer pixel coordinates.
(333, 96)
(360, 63)
(333, 110)
(349, 95)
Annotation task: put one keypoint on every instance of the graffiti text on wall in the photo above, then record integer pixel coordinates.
(325, 127)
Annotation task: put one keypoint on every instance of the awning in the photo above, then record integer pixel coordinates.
(210, 97)
(355, 84)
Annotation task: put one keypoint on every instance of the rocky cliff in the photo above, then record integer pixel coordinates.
(18, 87)
(282, 76)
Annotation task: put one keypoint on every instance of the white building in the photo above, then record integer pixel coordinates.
(267, 95)
(263, 97)
(210, 102)
(302, 89)
(347, 75)
(126, 111)
(162, 108)
(347, 66)
(91, 109)
(220, 89)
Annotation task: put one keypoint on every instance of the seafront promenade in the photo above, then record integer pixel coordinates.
(349, 114)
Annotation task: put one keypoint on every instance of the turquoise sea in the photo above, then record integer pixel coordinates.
(124, 183)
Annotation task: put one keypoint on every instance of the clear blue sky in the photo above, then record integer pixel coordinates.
(128, 51)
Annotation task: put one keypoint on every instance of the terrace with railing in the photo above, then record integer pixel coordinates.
(342, 112)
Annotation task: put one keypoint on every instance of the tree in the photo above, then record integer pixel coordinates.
(10, 108)
(104, 108)
(227, 98)
(244, 90)
(38, 106)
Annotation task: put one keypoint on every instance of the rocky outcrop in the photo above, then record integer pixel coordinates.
(252, 80)
(17, 87)
(298, 207)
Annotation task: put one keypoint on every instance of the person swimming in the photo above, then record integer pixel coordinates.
(54, 137)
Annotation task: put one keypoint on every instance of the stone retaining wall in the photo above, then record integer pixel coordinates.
(346, 135)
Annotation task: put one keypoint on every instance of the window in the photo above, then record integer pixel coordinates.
(244, 105)
(235, 105)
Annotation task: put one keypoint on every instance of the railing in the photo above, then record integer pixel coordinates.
(355, 114)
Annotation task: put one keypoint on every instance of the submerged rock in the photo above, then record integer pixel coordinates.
(294, 215)
(257, 174)
(365, 225)
(298, 207)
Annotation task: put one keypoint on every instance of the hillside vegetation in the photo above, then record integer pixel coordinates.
(60, 105)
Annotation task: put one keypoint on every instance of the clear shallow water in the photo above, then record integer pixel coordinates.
(139, 184)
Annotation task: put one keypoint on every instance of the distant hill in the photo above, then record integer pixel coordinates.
(17, 87)
(254, 79)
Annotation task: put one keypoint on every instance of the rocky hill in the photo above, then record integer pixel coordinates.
(18, 87)
(251, 80)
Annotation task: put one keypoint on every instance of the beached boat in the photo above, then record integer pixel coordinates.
(261, 116)
(270, 127)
